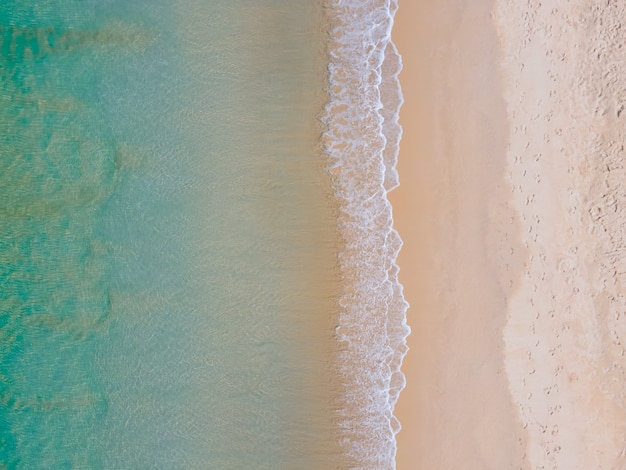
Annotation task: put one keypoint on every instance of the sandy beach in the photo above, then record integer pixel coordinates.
(456, 411)
(565, 357)
(510, 207)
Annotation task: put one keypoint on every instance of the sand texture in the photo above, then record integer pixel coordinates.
(511, 208)
(563, 75)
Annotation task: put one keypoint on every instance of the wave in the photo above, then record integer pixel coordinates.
(361, 139)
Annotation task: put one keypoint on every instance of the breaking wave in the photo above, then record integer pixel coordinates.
(362, 138)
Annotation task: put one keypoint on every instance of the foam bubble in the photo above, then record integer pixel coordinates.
(362, 141)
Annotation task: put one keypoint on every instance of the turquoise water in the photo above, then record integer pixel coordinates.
(197, 258)
(167, 242)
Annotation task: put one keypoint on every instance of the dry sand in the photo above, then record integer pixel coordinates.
(564, 69)
(511, 207)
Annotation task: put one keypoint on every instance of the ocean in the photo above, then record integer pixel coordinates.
(197, 252)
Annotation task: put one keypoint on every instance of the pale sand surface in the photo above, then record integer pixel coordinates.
(456, 410)
(511, 206)
(564, 70)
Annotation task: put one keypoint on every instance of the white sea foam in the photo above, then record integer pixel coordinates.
(362, 139)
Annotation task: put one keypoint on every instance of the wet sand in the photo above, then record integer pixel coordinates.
(511, 209)
(456, 411)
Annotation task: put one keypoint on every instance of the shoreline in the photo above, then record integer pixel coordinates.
(449, 214)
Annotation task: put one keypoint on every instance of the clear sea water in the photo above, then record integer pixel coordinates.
(175, 261)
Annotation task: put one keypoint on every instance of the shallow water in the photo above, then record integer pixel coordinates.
(171, 259)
